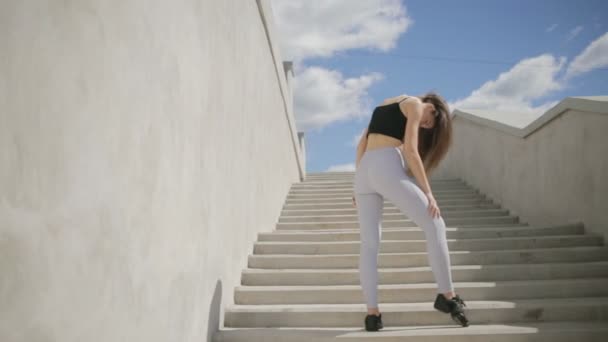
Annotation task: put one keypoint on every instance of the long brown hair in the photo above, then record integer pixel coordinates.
(434, 143)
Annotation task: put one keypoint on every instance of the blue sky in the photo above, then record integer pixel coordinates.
(511, 56)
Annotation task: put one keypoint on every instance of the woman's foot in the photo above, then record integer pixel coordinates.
(373, 322)
(454, 306)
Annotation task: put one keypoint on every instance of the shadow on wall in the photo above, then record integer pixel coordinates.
(213, 324)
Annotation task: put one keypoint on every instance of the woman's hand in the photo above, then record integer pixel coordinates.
(433, 208)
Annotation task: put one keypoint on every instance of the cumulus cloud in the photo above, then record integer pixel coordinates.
(573, 33)
(324, 28)
(341, 168)
(516, 89)
(594, 56)
(324, 96)
(551, 28)
(321, 28)
(533, 78)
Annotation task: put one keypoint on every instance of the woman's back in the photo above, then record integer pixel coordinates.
(378, 140)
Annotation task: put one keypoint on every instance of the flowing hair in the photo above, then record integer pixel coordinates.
(434, 143)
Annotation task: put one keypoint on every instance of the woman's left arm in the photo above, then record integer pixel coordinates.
(361, 148)
(360, 151)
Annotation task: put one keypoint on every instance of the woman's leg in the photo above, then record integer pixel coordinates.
(393, 183)
(369, 208)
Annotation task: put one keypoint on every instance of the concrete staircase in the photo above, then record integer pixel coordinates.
(520, 282)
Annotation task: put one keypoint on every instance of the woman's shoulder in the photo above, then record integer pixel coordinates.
(396, 99)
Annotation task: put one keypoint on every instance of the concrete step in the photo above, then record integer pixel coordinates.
(347, 203)
(388, 207)
(349, 190)
(420, 292)
(392, 216)
(416, 233)
(345, 191)
(566, 331)
(414, 275)
(445, 199)
(472, 225)
(445, 205)
(349, 182)
(478, 311)
(351, 173)
(351, 176)
(396, 246)
(388, 212)
(326, 184)
(341, 196)
(540, 255)
(399, 223)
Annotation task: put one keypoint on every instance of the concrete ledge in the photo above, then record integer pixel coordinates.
(521, 125)
(284, 72)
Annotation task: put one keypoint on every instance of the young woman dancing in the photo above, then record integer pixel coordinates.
(405, 140)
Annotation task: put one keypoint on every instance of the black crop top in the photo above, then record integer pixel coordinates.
(388, 120)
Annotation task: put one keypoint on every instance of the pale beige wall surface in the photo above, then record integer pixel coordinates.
(142, 147)
(556, 173)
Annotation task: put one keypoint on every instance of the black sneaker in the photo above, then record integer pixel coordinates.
(454, 306)
(373, 322)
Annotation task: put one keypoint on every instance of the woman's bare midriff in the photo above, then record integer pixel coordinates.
(377, 140)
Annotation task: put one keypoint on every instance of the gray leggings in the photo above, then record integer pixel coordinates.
(381, 174)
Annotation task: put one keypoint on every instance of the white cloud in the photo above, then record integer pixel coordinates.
(341, 168)
(551, 28)
(324, 96)
(573, 33)
(594, 56)
(533, 78)
(515, 89)
(321, 28)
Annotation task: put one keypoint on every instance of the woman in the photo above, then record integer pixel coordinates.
(405, 140)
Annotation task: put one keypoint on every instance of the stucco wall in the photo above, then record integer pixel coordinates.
(143, 144)
(553, 170)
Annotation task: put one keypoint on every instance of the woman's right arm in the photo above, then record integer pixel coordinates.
(410, 150)
(413, 107)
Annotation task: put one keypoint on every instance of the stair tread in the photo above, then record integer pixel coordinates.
(472, 218)
(407, 229)
(547, 237)
(422, 306)
(433, 285)
(529, 250)
(394, 333)
(414, 268)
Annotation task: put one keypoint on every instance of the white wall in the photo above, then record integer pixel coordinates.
(143, 144)
(552, 170)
